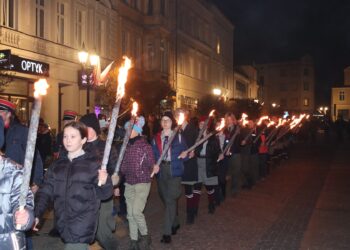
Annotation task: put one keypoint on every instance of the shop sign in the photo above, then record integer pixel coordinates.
(23, 65)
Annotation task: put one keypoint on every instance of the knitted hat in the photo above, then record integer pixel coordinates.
(69, 115)
(138, 125)
(7, 105)
(90, 120)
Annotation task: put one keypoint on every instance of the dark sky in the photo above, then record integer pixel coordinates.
(275, 30)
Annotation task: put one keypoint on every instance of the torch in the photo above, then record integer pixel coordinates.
(292, 125)
(171, 138)
(206, 122)
(40, 89)
(205, 138)
(263, 130)
(115, 178)
(122, 78)
(231, 141)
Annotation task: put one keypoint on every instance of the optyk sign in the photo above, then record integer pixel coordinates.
(24, 65)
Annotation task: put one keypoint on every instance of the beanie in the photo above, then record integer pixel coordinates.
(90, 120)
(138, 125)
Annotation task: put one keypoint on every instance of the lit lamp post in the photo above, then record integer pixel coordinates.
(88, 72)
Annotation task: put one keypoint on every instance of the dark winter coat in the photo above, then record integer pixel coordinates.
(177, 147)
(73, 188)
(15, 148)
(211, 155)
(97, 148)
(236, 146)
(190, 134)
(138, 161)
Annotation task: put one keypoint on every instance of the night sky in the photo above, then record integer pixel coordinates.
(278, 30)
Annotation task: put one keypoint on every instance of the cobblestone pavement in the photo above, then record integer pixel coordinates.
(303, 204)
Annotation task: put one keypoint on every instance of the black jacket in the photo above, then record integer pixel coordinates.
(190, 134)
(97, 148)
(73, 188)
(211, 156)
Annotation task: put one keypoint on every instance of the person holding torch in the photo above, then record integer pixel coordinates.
(137, 166)
(72, 184)
(11, 178)
(169, 170)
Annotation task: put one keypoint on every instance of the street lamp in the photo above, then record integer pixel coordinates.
(274, 105)
(88, 72)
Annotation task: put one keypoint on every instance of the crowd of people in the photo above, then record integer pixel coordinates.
(82, 194)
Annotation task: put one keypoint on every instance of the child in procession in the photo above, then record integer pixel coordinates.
(11, 178)
(136, 167)
(72, 185)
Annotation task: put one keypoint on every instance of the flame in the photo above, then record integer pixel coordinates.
(296, 121)
(244, 119)
(135, 107)
(123, 76)
(211, 113)
(40, 87)
(221, 126)
(270, 124)
(181, 118)
(261, 119)
(279, 122)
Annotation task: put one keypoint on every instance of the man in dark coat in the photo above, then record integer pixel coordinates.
(16, 141)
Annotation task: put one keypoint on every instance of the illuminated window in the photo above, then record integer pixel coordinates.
(306, 101)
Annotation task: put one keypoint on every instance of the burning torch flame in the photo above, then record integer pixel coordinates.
(211, 113)
(261, 119)
(40, 87)
(280, 123)
(181, 118)
(135, 107)
(270, 124)
(221, 126)
(123, 76)
(296, 121)
(244, 119)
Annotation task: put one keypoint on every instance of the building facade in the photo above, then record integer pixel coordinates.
(245, 82)
(51, 32)
(186, 43)
(341, 98)
(288, 85)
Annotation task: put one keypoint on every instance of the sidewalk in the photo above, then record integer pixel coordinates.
(329, 227)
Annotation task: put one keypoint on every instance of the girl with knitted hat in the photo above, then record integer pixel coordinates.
(137, 166)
